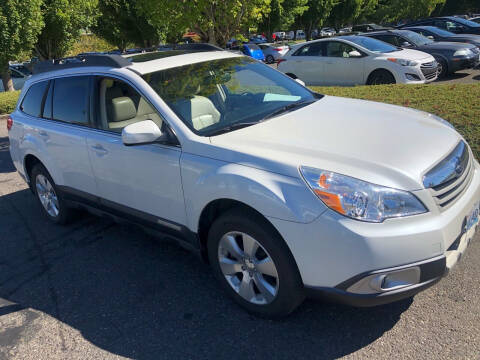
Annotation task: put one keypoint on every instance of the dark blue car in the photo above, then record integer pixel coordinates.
(251, 50)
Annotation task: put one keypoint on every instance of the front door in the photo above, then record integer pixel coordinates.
(143, 181)
(340, 67)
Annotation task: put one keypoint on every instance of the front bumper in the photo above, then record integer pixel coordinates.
(334, 253)
(465, 63)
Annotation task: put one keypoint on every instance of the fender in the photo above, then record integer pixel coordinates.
(30, 145)
(277, 196)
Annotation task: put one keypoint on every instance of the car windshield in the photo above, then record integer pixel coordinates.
(373, 45)
(440, 32)
(416, 39)
(467, 22)
(221, 95)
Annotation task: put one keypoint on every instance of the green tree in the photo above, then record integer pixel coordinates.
(120, 22)
(20, 24)
(282, 15)
(215, 21)
(452, 7)
(347, 12)
(64, 21)
(393, 10)
(318, 11)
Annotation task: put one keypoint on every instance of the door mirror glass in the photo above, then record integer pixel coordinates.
(430, 37)
(354, 54)
(142, 132)
(301, 82)
(406, 44)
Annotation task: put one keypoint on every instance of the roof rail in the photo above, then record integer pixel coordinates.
(114, 61)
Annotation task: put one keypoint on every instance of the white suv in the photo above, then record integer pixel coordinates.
(285, 192)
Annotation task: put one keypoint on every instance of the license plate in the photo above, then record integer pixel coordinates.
(472, 218)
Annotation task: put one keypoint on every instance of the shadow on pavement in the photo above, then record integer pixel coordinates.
(6, 164)
(135, 296)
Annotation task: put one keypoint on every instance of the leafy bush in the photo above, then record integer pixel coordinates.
(8, 100)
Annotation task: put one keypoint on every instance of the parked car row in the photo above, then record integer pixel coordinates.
(19, 73)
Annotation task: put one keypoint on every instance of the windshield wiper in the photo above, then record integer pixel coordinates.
(232, 127)
(288, 108)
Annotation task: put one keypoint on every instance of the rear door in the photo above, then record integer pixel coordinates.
(340, 67)
(57, 130)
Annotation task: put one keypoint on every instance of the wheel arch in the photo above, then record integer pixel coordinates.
(378, 70)
(216, 208)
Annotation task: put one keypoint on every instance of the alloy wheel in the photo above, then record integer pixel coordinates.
(47, 196)
(248, 268)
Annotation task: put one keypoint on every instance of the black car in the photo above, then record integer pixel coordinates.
(368, 28)
(451, 56)
(450, 23)
(437, 34)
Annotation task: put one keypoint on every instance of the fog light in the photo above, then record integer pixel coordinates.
(412, 77)
(386, 281)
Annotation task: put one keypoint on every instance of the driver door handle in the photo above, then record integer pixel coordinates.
(99, 149)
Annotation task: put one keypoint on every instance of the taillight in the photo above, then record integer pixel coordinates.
(9, 123)
(278, 49)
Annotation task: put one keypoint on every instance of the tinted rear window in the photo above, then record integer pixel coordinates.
(70, 99)
(32, 103)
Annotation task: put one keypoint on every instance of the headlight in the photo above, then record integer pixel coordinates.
(463, 52)
(359, 199)
(403, 62)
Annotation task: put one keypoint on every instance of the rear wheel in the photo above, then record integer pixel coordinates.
(254, 265)
(381, 77)
(47, 194)
(270, 59)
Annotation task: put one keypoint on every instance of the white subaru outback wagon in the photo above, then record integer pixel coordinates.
(285, 192)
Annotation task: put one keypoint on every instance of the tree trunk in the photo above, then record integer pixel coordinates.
(7, 79)
(211, 36)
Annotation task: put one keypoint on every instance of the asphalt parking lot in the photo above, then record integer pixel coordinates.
(97, 290)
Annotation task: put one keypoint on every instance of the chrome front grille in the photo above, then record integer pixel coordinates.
(451, 177)
(476, 50)
(429, 69)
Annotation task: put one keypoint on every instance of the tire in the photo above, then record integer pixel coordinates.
(270, 59)
(381, 77)
(50, 199)
(444, 68)
(260, 288)
(293, 76)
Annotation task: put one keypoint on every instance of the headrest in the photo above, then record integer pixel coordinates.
(123, 108)
(144, 108)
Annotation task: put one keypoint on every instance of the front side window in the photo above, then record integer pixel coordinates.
(70, 99)
(414, 38)
(312, 49)
(220, 95)
(338, 49)
(372, 44)
(33, 101)
(119, 105)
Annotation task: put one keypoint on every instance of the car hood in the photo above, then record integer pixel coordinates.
(409, 54)
(466, 37)
(445, 45)
(384, 144)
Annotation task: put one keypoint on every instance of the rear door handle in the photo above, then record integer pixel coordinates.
(99, 149)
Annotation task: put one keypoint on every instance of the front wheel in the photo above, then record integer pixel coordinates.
(254, 265)
(381, 77)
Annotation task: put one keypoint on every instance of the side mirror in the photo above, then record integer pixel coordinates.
(300, 81)
(354, 54)
(143, 132)
(406, 44)
(430, 37)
